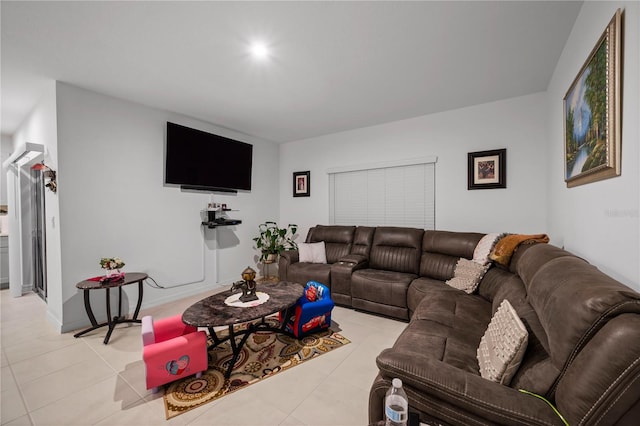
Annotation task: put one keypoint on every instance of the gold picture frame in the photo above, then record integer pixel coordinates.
(592, 112)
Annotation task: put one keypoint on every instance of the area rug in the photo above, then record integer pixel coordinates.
(264, 354)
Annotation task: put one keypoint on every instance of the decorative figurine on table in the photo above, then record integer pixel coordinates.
(247, 285)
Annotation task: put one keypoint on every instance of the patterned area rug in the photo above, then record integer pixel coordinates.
(264, 354)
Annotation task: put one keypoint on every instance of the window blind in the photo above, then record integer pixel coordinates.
(396, 194)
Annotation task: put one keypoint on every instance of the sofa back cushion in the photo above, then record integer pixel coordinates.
(362, 240)
(441, 250)
(396, 249)
(536, 373)
(337, 239)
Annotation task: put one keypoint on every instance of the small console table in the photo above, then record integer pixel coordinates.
(88, 285)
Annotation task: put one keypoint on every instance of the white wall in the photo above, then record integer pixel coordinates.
(598, 221)
(6, 149)
(515, 124)
(113, 202)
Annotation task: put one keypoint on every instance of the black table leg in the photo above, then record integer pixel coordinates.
(137, 311)
(92, 318)
(110, 322)
(236, 347)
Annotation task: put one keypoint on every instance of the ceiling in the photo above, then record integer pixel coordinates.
(333, 66)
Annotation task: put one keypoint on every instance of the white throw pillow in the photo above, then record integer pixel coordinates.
(503, 345)
(484, 247)
(312, 252)
(467, 275)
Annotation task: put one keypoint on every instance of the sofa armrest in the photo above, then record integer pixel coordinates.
(291, 256)
(355, 261)
(466, 391)
(287, 258)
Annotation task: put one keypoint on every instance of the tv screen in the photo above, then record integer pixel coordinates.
(201, 160)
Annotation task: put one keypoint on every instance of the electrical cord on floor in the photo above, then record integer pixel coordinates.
(161, 287)
(555, 410)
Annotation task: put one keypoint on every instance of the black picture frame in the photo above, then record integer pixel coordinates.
(302, 184)
(487, 169)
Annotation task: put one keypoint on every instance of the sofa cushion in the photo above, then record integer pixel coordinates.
(441, 250)
(396, 249)
(301, 273)
(536, 372)
(384, 287)
(337, 239)
(503, 345)
(447, 325)
(456, 244)
(418, 289)
(312, 252)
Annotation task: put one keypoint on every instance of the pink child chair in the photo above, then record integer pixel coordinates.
(172, 350)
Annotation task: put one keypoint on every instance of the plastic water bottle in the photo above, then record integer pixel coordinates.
(396, 405)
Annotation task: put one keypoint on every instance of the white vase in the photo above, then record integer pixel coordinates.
(112, 272)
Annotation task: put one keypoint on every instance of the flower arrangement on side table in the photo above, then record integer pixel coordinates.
(112, 265)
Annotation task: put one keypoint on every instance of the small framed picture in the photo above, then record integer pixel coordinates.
(487, 169)
(302, 184)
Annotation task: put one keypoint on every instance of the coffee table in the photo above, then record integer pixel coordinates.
(213, 312)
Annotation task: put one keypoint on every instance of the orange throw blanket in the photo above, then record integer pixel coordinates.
(507, 245)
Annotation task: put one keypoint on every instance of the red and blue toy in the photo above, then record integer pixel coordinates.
(312, 310)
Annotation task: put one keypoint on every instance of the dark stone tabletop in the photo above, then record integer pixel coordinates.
(213, 312)
(129, 278)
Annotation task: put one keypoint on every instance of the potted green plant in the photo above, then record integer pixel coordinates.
(274, 240)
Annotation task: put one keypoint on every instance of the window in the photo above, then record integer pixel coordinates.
(391, 194)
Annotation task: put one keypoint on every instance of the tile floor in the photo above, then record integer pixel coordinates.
(54, 379)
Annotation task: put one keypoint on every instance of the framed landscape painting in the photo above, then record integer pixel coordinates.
(592, 113)
(487, 169)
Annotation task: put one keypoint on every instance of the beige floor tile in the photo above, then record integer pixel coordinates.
(64, 382)
(7, 381)
(286, 390)
(89, 405)
(292, 421)
(334, 402)
(3, 359)
(241, 408)
(138, 414)
(135, 375)
(11, 406)
(67, 381)
(38, 345)
(20, 421)
(49, 362)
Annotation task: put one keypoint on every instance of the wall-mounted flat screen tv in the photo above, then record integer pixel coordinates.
(204, 161)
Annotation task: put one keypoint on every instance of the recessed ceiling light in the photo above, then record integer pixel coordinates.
(259, 50)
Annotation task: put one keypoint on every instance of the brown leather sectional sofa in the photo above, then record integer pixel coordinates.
(583, 353)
